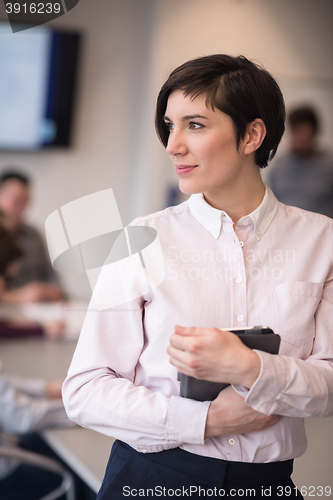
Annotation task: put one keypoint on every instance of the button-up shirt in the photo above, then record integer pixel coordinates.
(274, 268)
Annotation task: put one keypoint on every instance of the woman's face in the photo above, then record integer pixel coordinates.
(202, 146)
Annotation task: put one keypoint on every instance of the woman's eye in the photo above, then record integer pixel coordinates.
(168, 125)
(195, 126)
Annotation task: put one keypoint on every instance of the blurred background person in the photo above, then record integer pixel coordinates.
(26, 405)
(10, 255)
(303, 177)
(35, 279)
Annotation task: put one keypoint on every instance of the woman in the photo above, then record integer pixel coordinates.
(234, 257)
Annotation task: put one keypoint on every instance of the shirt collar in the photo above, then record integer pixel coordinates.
(212, 218)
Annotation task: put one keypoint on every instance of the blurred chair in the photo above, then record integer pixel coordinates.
(34, 459)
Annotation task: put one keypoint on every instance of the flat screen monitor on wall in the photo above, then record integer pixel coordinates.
(38, 73)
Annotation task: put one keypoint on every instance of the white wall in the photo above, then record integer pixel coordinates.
(130, 47)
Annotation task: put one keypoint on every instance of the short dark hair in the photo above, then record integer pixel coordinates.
(11, 174)
(237, 87)
(10, 250)
(304, 114)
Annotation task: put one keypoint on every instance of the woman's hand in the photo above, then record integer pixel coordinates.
(33, 292)
(220, 356)
(213, 354)
(229, 414)
(53, 389)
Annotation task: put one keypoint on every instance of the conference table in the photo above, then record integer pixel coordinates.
(87, 452)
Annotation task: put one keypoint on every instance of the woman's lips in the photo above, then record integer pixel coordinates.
(184, 169)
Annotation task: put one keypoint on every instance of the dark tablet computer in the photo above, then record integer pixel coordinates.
(258, 337)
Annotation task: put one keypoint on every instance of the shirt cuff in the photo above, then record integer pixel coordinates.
(270, 383)
(187, 420)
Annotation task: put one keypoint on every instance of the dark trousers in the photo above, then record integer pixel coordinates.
(177, 473)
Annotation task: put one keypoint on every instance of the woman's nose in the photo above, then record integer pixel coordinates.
(176, 143)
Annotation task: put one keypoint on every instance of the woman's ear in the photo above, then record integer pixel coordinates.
(255, 134)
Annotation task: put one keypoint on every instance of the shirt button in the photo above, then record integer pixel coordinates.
(239, 280)
(240, 318)
(256, 401)
(241, 243)
(232, 441)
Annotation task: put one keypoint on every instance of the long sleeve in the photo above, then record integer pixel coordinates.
(105, 388)
(299, 386)
(35, 387)
(292, 387)
(21, 413)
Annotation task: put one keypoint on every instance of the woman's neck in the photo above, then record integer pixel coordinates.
(241, 199)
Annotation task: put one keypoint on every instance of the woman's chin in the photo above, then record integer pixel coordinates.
(186, 188)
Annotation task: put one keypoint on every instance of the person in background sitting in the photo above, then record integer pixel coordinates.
(10, 255)
(304, 176)
(26, 405)
(35, 280)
